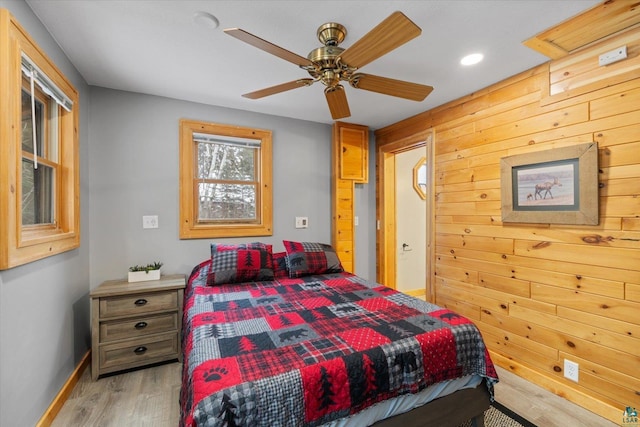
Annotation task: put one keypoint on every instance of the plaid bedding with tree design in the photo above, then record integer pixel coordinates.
(305, 351)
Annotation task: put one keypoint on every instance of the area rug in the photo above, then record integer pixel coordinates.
(500, 416)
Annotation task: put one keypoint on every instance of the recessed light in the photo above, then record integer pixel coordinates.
(472, 59)
(205, 19)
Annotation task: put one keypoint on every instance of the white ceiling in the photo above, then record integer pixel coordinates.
(156, 47)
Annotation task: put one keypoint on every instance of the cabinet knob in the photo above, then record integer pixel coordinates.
(140, 325)
(140, 302)
(140, 350)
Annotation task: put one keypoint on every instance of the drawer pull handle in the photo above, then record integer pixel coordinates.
(140, 350)
(140, 302)
(140, 325)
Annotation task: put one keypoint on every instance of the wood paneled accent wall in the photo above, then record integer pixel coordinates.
(544, 293)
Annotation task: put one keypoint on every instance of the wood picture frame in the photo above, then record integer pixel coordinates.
(558, 186)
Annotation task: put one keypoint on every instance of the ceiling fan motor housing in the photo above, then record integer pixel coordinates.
(324, 58)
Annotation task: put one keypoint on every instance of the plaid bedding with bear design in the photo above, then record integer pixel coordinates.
(309, 350)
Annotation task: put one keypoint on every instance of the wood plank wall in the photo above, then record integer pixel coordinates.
(542, 293)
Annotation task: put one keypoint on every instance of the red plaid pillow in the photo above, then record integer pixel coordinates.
(248, 262)
(307, 258)
(280, 265)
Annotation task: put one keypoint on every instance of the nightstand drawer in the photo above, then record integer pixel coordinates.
(138, 326)
(131, 353)
(131, 305)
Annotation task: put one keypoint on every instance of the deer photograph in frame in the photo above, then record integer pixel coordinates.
(557, 186)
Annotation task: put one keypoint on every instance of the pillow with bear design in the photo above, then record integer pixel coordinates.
(308, 258)
(280, 265)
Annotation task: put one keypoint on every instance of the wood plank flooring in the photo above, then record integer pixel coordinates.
(142, 398)
(542, 407)
(149, 397)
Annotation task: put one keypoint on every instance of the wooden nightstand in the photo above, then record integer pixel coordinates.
(135, 324)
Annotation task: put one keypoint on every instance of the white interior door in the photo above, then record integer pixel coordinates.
(411, 224)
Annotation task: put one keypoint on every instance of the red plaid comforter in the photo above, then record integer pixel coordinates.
(303, 352)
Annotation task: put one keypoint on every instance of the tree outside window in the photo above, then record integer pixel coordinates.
(225, 175)
(227, 184)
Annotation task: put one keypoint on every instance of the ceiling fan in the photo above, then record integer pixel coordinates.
(332, 64)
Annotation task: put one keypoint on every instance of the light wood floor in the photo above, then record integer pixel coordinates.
(542, 407)
(149, 397)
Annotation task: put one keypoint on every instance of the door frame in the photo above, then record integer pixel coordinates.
(386, 208)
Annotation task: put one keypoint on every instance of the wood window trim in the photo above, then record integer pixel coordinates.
(23, 244)
(190, 228)
(422, 163)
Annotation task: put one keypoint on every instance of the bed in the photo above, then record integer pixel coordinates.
(290, 339)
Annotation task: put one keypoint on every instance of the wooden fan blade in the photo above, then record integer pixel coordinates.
(278, 88)
(269, 47)
(387, 86)
(337, 100)
(388, 35)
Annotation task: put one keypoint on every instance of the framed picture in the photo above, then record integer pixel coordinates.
(558, 186)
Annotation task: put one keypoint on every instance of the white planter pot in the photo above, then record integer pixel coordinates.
(142, 276)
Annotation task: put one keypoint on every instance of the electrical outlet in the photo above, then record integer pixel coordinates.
(302, 222)
(150, 221)
(571, 370)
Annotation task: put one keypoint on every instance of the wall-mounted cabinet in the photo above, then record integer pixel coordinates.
(352, 151)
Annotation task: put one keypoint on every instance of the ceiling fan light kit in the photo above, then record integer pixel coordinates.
(332, 64)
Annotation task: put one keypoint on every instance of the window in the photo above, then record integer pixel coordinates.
(420, 178)
(38, 158)
(225, 181)
(39, 197)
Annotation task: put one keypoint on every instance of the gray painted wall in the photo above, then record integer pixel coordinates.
(134, 172)
(365, 210)
(44, 305)
(129, 168)
(134, 164)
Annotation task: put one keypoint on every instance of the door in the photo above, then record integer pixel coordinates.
(411, 222)
(388, 246)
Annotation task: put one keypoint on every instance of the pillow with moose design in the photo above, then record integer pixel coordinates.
(245, 262)
(307, 258)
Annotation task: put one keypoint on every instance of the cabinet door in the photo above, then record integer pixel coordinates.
(353, 152)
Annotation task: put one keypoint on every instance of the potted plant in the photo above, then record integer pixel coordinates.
(141, 273)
